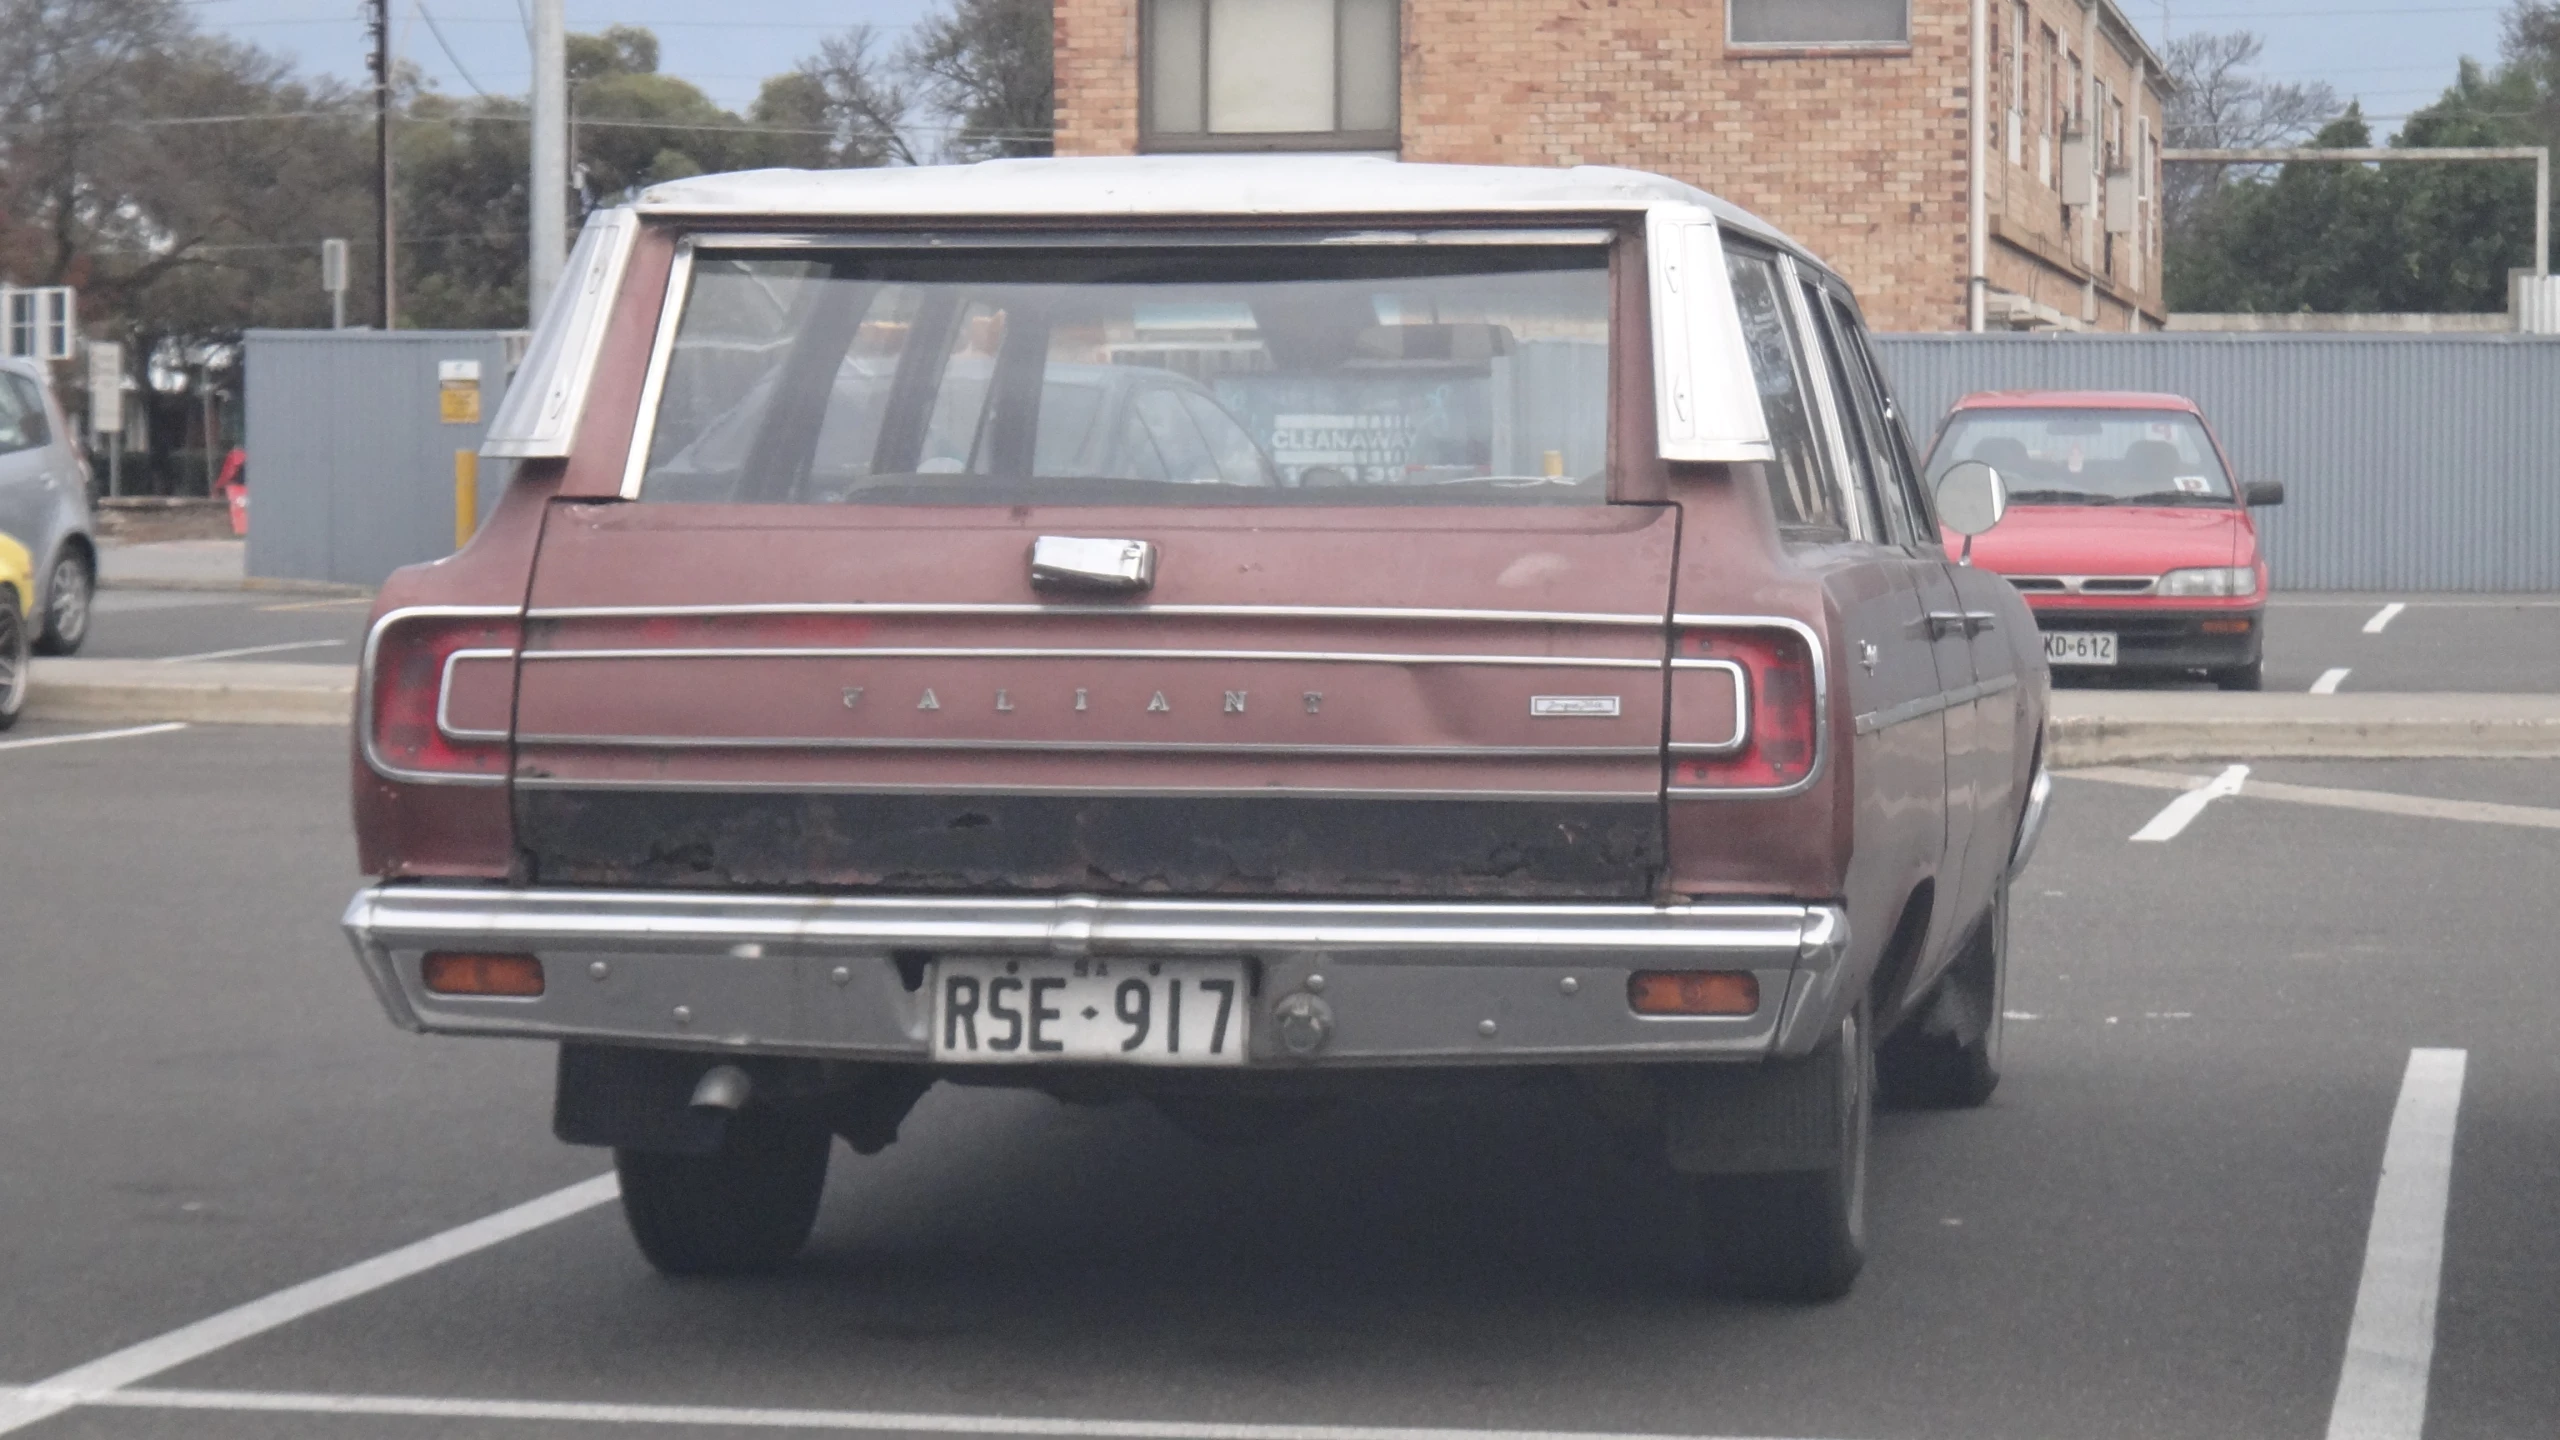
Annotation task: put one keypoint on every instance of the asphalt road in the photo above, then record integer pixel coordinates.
(2155, 1230)
(135, 624)
(2463, 643)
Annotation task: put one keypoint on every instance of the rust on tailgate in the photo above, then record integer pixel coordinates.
(1131, 844)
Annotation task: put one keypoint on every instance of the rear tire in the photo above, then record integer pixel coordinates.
(2252, 676)
(1800, 1235)
(1948, 1058)
(746, 1207)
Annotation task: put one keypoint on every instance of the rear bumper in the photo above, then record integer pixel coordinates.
(2159, 638)
(837, 977)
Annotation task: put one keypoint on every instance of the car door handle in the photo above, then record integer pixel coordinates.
(1961, 622)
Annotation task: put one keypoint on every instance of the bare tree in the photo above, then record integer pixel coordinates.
(987, 64)
(862, 95)
(2217, 104)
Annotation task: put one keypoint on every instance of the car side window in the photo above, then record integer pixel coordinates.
(1873, 445)
(1799, 474)
(1860, 431)
(1902, 468)
(21, 415)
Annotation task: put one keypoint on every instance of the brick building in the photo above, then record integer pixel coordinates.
(1843, 121)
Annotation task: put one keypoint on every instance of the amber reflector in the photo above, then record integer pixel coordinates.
(2225, 627)
(451, 973)
(1694, 992)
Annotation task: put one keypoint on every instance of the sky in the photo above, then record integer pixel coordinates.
(2393, 57)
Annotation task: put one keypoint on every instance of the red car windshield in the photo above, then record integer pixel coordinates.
(2088, 457)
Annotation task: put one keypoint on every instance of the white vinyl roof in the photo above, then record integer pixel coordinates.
(1175, 186)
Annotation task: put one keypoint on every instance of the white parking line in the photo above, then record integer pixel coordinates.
(96, 1381)
(2382, 1387)
(2379, 802)
(248, 650)
(2328, 682)
(2383, 617)
(756, 1418)
(2176, 815)
(329, 604)
(33, 741)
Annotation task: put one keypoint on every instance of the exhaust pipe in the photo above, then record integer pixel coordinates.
(722, 1087)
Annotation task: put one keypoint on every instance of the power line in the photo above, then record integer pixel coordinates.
(438, 31)
(743, 127)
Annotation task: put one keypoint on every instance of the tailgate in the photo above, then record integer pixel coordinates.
(1309, 702)
(1356, 618)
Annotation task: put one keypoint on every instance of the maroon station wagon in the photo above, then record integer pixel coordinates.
(1246, 634)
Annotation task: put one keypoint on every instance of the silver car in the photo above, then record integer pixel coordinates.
(44, 505)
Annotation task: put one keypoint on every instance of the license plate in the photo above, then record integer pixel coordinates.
(1145, 1012)
(2079, 647)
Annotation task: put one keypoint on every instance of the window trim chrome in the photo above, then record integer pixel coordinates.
(538, 418)
(662, 345)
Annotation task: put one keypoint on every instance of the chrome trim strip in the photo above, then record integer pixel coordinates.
(1223, 612)
(1170, 792)
(1927, 705)
(644, 429)
(859, 652)
(2031, 822)
(1821, 709)
(1741, 709)
(416, 916)
(946, 241)
(365, 666)
(2078, 584)
(1826, 399)
(444, 697)
(1095, 747)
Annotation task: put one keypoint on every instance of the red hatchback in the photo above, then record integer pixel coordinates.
(2126, 531)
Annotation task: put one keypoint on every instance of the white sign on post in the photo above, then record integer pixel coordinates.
(106, 387)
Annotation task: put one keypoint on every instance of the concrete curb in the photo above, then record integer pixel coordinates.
(2116, 727)
(252, 585)
(144, 691)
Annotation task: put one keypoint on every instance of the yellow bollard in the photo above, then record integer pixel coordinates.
(466, 496)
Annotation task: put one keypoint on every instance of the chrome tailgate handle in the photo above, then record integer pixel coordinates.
(1068, 562)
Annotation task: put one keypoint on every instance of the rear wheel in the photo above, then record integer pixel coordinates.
(747, 1206)
(65, 622)
(1949, 1057)
(13, 658)
(2252, 676)
(1801, 1235)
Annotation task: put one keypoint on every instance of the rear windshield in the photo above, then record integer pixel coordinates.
(2089, 457)
(1152, 375)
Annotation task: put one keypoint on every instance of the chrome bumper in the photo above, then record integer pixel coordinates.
(2031, 823)
(821, 976)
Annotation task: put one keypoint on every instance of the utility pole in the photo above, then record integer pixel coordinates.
(550, 183)
(378, 21)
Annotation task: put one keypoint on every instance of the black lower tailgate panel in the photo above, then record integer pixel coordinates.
(1154, 845)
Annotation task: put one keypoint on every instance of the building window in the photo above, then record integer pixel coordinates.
(1271, 75)
(2019, 105)
(1818, 22)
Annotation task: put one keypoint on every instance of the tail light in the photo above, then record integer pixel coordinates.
(438, 694)
(1746, 707)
